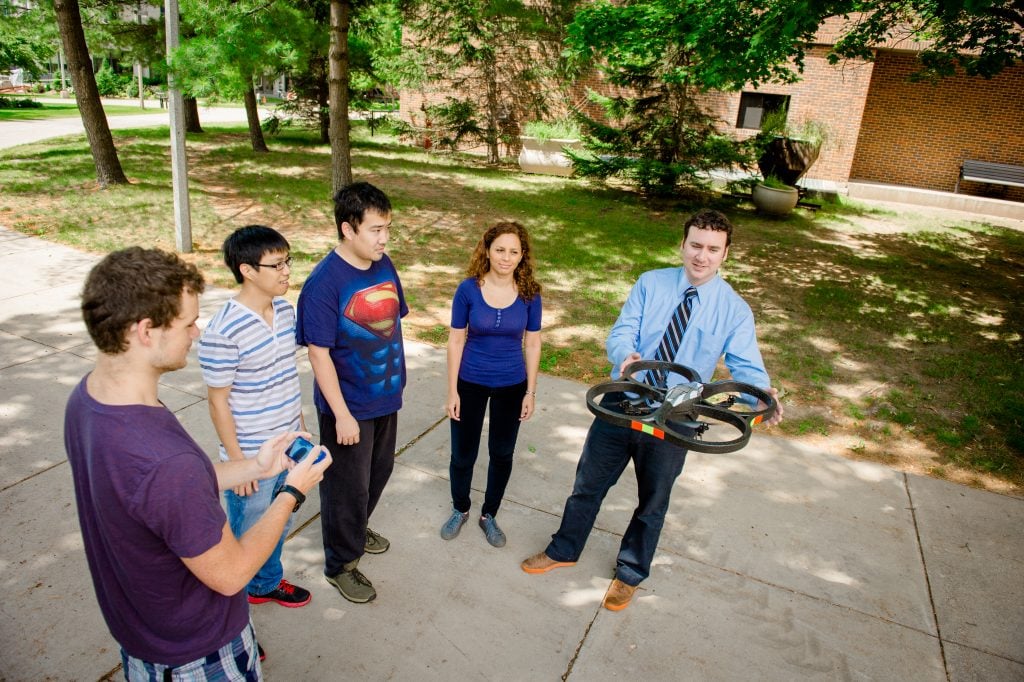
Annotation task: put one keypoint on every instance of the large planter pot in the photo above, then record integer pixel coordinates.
(777, 202)
(788, 159)
(546, 156)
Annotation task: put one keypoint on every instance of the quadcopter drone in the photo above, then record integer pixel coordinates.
(659, 411)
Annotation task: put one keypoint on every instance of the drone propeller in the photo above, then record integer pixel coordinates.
(678, 414)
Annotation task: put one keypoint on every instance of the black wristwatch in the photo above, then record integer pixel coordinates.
(294, 492)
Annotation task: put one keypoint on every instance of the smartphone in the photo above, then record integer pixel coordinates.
(301, 447)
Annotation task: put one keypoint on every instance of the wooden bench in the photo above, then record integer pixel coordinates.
(992, 173)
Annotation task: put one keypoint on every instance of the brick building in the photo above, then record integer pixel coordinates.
(883, 128)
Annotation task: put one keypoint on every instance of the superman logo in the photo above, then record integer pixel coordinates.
(375, 309)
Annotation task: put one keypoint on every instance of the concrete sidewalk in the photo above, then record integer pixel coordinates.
(777, 563)
(13, 133)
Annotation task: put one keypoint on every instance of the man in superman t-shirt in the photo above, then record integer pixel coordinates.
(349, 316)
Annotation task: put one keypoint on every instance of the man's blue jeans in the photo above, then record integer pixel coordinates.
(606, 453)
(243, 513)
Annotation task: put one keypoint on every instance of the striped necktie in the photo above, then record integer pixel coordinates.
(673, 337)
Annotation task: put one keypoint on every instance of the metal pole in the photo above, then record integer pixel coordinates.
(60, 60)
(138, 63)
(179, 164)
(142, 93)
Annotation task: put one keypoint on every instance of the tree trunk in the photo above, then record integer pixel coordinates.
(341, 160)
(101, 144)
(253, 115)
(192, 124)
(491, 78)
(319, 67)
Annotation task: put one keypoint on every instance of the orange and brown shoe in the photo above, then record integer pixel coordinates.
(619, 595)
(542, 563)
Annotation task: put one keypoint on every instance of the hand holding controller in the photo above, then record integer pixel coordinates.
(301, 447)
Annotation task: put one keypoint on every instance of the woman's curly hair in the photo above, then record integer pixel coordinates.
(479, 263)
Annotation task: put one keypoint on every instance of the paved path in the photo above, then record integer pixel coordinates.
(776, 563)
(13, 133)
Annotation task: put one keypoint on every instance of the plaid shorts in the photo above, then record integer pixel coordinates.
(236, 660)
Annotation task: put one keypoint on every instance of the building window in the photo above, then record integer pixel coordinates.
(754, 106)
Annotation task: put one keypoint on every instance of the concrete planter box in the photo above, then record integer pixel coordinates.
(546, 156)
(777, 202)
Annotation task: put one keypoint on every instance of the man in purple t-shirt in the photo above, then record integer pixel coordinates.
(168, 572)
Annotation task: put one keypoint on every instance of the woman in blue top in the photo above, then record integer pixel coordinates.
(493, 355)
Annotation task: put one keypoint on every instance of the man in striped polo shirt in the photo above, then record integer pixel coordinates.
(247, 354)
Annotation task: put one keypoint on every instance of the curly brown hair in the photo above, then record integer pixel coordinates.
(131, 285)
(479, 264)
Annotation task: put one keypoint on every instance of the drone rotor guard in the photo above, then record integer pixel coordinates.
(658, 417)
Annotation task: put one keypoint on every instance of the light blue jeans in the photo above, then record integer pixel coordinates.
(243, 513)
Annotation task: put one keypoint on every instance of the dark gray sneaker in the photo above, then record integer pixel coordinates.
(375, 542)
(453, 525)
(494, 534)
(353, 586)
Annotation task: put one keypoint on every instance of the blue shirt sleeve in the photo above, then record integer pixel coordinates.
(317, 311)
(742, 355)
(624, 338)
(534, 312)
(460, 305)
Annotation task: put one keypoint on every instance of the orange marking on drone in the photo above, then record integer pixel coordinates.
(648, 429)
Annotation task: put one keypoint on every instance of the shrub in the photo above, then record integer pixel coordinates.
(455, 122)
(24, 103)
(111, 84)
(564, 129)
(660, 142)
(773, 182)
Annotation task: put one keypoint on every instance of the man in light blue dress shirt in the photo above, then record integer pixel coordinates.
(720, 323)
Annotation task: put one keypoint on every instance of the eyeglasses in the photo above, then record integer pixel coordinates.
(286, 263)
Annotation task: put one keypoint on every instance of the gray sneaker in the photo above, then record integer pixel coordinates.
(453, 525)
(494, 534)
(353, 586)
(375, 542)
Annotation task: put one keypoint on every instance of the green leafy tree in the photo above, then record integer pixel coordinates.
(661, 54)
(375, 48)
(494, 53)
(28, 38)
(982, 37)
(234, 43)
(339, 73)
(101, 143)
(374, 40)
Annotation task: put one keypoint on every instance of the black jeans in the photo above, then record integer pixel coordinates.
(352, 485)
(506, 406)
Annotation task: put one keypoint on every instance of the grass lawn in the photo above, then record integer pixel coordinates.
(895, 334)
(68, 109)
